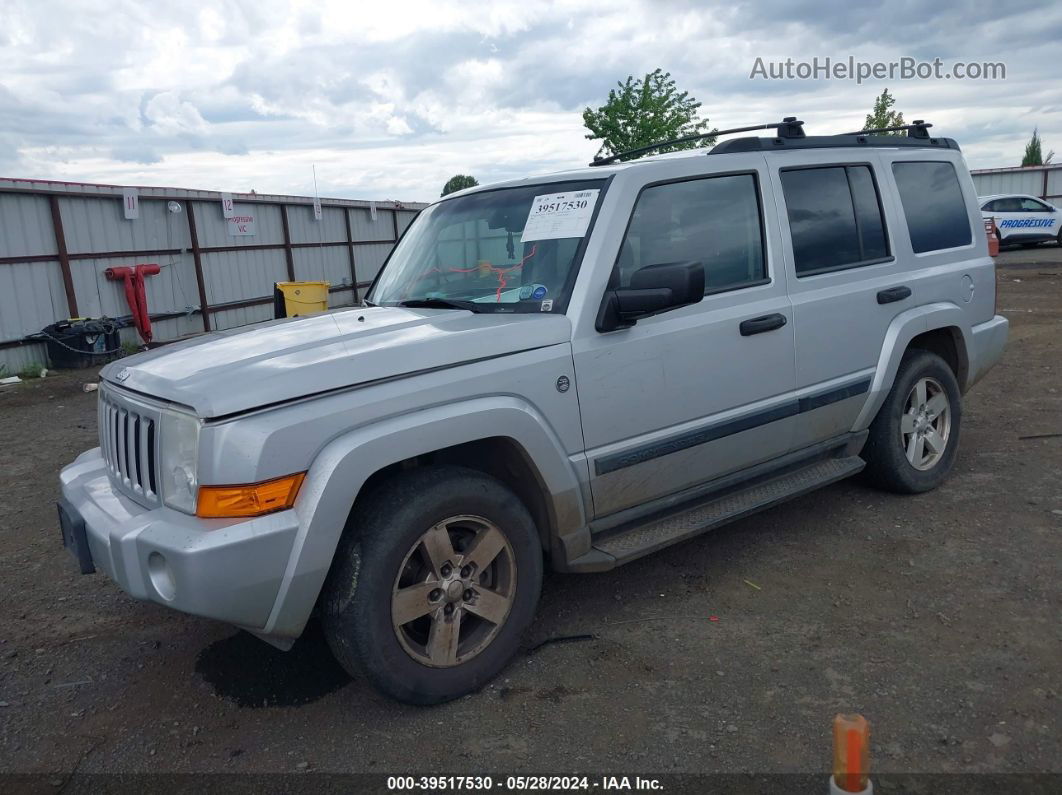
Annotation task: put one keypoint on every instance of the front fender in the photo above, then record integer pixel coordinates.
(904, 328)
(341, 468)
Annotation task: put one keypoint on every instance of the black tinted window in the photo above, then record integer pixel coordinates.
(868, 212)
(834, 218)
(714, 221)
(1033, 206)
(933, 205)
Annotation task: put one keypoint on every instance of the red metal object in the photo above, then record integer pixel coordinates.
(993, 237)
(135, 294)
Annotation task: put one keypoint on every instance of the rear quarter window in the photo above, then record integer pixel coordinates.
(933, 205)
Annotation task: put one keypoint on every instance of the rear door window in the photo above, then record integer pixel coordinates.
(933, 205)
(1033, 206)
(835, 218)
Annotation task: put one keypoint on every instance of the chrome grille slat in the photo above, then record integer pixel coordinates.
(112, 437)
(133, 469)
(119, 441)
(105, 434)
(129, 444)
(101, 422)
(142, 467)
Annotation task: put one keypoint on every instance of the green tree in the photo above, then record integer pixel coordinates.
(459, 182)
(1034, 154)
(883, 115)
(643, 112)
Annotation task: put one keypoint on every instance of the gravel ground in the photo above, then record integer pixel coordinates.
(936, 616)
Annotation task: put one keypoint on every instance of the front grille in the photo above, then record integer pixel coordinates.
(129, 441)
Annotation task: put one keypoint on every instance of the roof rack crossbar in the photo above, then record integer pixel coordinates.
(790, 127)
(918, 129)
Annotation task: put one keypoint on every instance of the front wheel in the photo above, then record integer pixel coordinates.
(434, 584)
(915, 436)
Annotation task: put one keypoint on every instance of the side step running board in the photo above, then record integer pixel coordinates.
(634, 541)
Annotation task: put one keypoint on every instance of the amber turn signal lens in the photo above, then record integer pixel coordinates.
(253, 499)
(851, 752)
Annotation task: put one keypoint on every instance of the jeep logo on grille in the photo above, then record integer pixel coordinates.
(122, 374)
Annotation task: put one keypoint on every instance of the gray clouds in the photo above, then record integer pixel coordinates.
(389, 100)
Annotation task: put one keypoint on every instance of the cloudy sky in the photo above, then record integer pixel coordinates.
(389, 99)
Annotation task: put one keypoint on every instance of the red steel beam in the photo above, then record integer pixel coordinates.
(63, 257)
(197, 258)
(350, 254)
(287, 242)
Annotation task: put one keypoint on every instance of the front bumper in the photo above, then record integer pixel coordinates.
(230, 570)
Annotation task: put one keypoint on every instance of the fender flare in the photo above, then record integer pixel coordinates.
(341, 468)
(904, 328)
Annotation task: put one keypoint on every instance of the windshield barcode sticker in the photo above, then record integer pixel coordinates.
(560, 215)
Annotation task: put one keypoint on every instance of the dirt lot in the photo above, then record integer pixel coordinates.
(936, 616)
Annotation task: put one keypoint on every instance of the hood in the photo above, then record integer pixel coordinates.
(226, 372)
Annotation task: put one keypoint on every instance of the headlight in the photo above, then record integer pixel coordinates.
(179, 452)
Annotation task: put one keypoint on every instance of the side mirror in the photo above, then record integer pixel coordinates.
(653, 289)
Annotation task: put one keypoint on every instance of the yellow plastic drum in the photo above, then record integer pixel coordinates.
(304, 298)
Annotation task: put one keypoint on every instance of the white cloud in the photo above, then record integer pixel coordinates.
(390, 99)
(168, 114)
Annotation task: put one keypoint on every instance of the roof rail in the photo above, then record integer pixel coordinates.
(789, 127)
(917, 129)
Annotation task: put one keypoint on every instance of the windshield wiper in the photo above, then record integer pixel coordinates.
(440, 303)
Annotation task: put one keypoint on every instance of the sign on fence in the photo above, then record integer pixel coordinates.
(227, 209)
(241, 225)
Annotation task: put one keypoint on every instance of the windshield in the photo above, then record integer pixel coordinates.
(506, 250)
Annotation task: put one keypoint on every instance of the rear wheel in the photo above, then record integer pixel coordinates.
(430, 594)
(915, 437)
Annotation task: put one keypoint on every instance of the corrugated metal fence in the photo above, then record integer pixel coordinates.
(57, 239)
(1042, 181)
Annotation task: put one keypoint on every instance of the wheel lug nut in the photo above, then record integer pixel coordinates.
(468, 595)
(435, 595)
(446, 570)
(466, 572)
(449, 609)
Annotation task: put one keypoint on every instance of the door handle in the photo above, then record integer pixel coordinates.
(758, 325)
(894, 294)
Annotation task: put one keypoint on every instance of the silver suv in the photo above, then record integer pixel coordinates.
(572, 371)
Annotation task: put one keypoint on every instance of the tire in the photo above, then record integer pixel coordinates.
(393, 563)
(1058, 239)
(892, 464)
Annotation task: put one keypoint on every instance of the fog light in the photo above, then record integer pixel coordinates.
(161, 576)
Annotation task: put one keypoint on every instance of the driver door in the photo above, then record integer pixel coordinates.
(687, 396)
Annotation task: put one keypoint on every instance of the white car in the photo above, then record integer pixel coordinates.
(1021, 218)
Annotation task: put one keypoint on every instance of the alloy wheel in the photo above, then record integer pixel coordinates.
(454, 591)
(925, 424)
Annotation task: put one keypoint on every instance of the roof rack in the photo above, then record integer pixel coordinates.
(789, 127)
(790, 135)
(917, 129)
